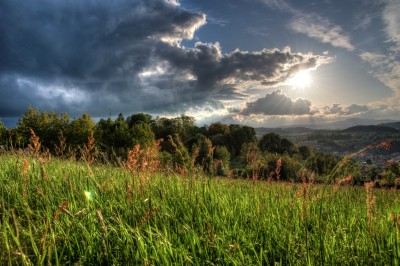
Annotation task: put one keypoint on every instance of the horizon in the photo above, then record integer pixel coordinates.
(330, 125)
(261, 63)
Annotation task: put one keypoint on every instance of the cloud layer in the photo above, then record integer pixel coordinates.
(123, 56)
(277, 103)
(313, 25)
(321, 29)
(386, 63)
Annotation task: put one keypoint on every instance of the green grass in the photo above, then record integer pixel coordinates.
(184, 220)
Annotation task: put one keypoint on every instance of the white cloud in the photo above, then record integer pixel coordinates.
(313, 25)
(279, 4)
(386, 68)
(391, 17)
(277, 103)
(386, 62)
(321, 29)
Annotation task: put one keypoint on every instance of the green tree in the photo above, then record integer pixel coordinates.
(273, 143)
(114, 137)
(45, 125)
(305, 152)
(238, 135)
(223, 157)
(218, 134)
(79, 130)
(143, 134)
(3, 134)
(139, 118)
(218, 128)
(183, 125)
(31, 119)
(321, 163)
(202, 150)
(252, 157)
(53, 124)
(179, 158)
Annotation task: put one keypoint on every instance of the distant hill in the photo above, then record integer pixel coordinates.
(395, 125)
(283, 131)
(348, 125)
(343, 124)
(371, 128)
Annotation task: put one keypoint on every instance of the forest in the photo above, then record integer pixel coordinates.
(178, 145)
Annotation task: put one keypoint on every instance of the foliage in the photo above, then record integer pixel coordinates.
(180, 158)
(79, 130)
(239, 135)
(202, 152)
(143, 135)
(114, 136)
(183, 126)
(222, 157)
(139, 118)
(46, 125)
(390, 176)
(218, 149)
(321, 163)
(273, 143)
(3, 134)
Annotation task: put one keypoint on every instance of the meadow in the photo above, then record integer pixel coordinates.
(62, 212)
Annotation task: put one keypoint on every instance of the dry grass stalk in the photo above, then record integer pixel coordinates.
(395, 218)
(148, 216)
(62, 145)
(215, 165)
(102, 221)
(34, 145)
(34, 148)
(346, 181)
(277, 172)
(62, 209)
(144, 160)
(43, 159)
(370, 201)
(252, 158)
(15, 222)
(25, 176)
(129, 191)
(278, 168)
(194, 154)
(88, 149)
(133, 159)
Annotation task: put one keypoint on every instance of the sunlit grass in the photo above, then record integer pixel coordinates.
(99, 214)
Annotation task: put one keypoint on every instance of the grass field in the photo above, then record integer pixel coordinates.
(63, 212)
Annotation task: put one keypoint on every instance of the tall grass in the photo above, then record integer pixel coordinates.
(85, 214)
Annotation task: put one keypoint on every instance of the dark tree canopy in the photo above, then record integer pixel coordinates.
(216, 149)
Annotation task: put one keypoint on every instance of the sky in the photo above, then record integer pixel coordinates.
(256, 62)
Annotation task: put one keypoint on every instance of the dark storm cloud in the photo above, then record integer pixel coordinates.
(277, 103)
(98, 48)
(93, 56)
(210, 66)
(87, 39)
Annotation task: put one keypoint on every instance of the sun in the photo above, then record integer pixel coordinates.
(301, 79)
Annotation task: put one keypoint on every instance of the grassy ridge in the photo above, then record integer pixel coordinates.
(65, 213)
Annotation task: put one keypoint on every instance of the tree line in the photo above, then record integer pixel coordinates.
(217, 149)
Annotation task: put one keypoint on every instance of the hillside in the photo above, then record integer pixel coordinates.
(393, 125)
(371, 128)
